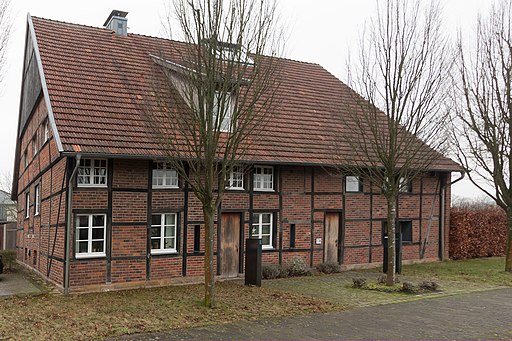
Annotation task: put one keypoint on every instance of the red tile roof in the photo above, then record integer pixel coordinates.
(96, 81)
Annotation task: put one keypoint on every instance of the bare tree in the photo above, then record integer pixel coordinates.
(5, 30)
(216, 95)
(483, 115)
(397, 128)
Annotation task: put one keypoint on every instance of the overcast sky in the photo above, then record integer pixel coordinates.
(320, 31)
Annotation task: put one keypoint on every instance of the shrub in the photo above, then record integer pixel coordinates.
(8, 257)
(358, 282)
(409, 288)
(429, 286)
(272, 271)
(382, 279)
(328, 268)
(477, 232)
(298, 267)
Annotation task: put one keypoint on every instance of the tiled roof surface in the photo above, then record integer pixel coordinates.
(97, 81)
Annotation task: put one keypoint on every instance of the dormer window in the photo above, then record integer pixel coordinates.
(222, 106)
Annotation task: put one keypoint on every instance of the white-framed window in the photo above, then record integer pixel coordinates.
(35, 148)
(92, 173)
(37, 199)
(262, 228)
(405, 185)
(235, 178)
(164, 176)
(263, 178)
(90, 235)
(353, 184)
(46, 131)
(25, 158)
(225, 109)
(163, 233)
(27, 205)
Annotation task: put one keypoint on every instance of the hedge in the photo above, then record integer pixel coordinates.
(477, 232)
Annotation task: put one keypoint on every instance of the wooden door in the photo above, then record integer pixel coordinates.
(230, 244)
(332, 228)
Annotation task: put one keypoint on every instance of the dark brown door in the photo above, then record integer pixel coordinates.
(230, 244)
(332, 228)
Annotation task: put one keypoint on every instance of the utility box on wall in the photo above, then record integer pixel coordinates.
(253, 262)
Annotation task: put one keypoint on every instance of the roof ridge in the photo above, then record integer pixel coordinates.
(162, 39)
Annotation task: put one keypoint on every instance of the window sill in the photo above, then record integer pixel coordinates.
(263, 190)
(163, 252)
(90, 255)
(238, 189)
(91, 186)
(165, 187)
(264, 248)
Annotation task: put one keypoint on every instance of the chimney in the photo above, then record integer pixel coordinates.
(117, 22)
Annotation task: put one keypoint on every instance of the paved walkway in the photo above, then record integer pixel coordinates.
(482, 315)
(17, 283)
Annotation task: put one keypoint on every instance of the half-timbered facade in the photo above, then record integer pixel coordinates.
(88, 175)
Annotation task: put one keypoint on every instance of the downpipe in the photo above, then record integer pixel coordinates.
(69, 224)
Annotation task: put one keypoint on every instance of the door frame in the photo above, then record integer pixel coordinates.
(341, 233)
(241, 246)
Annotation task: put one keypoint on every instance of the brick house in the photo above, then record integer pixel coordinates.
(133, 222)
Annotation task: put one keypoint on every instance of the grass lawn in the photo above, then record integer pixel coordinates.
(101, 315)
(453, 277)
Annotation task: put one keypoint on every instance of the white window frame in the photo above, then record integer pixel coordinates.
(226, 124)
(91, 176)
(257, 229)
(404, 185)
(162, 237)
(167, 174)
(25, 158)
(27, 205)
(35, 148)
(90, 227)
(259, 179)
(236, 176)
(46, 130)
(353, 179)
(37, 199)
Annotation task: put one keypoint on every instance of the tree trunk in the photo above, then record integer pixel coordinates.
(508, 259)
(391, 224)
(209, 274)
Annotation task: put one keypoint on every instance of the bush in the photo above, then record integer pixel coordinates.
(298, 267)
(358, 282)
(272, 271)
(429, 286)
(409, 288)
(328, 268)
(477, 232)
(8, 257)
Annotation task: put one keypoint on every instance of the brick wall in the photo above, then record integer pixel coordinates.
(40, 237)
(302, 198)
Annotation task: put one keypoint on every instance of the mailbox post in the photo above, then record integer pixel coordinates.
(253, 262)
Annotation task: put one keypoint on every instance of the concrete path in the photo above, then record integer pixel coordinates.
(482, 315)
(17, 283)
